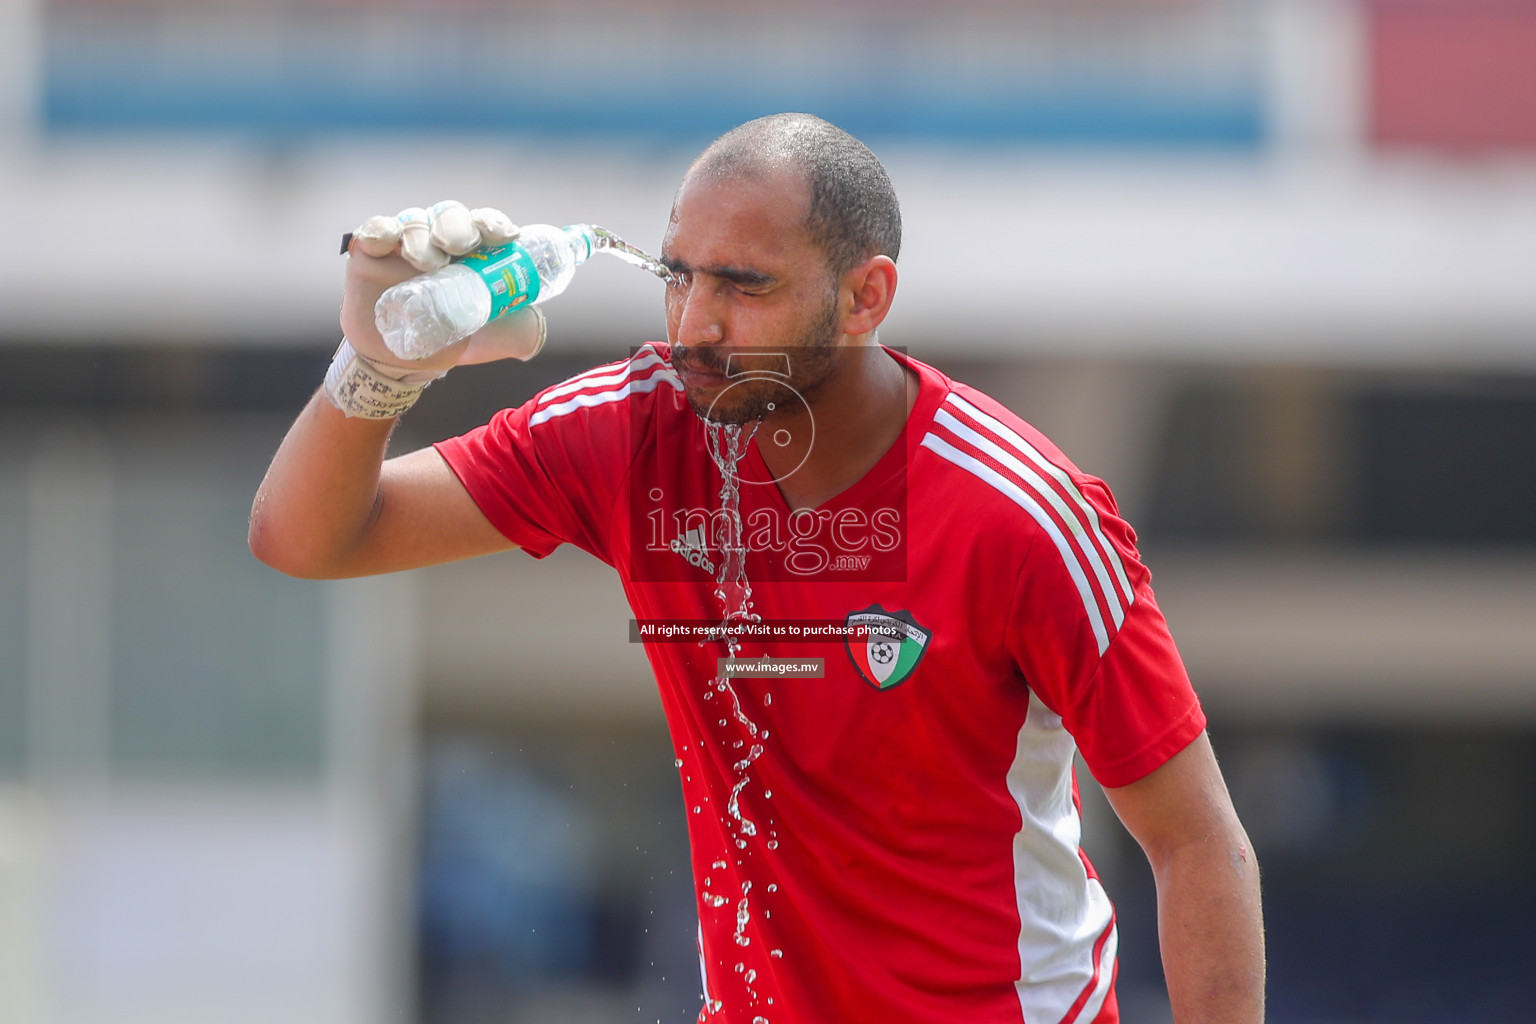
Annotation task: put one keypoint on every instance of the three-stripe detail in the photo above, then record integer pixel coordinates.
(645, 371)
(995, 453)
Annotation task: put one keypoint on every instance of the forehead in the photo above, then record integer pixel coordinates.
(739, 218)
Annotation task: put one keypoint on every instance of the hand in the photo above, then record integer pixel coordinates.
(428, 239)
(384, 251)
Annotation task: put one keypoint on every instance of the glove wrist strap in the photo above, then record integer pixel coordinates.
(366, 388)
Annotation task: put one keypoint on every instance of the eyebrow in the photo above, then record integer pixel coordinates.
(728, 271)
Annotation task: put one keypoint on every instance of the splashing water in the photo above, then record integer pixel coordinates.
(607, 241)
(727, 446)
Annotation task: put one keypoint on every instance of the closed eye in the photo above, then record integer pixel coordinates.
(746, 279)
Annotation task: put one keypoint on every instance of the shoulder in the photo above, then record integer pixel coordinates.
(1012, 480)
(643, 381)
(588, 419)
(991, 454)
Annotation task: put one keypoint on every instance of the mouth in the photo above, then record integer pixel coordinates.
(697, 375)
(697, 379)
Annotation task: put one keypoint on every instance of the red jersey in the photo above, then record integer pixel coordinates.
(896, 840)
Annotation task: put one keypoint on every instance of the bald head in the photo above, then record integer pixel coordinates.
(853, 213)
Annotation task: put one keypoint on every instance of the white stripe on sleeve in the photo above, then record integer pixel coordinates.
(1027, 502)
(1084, 544)
(1029, 451)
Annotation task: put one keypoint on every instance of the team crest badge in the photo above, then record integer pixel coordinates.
(885, 646)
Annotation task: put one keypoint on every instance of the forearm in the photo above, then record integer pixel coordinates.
(321, 492)
(1210, 925)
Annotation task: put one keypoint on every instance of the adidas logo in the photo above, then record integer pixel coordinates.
(694, 550)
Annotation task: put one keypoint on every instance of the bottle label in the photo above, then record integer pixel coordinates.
(509, 273)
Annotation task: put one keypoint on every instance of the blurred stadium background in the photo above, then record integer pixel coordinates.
(1268, 266)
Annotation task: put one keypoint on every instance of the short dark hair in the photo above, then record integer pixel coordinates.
(854, 213)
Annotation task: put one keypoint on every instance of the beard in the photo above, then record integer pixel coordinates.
(750, 393)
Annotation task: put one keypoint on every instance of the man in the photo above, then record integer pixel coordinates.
(896, 840)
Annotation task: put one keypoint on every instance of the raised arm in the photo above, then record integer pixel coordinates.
(331, 505)
(1210, 924)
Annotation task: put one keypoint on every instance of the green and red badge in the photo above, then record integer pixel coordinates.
(885, 646)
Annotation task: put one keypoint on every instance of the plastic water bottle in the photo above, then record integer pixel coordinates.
(427, 313)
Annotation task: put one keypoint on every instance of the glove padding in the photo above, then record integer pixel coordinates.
(384, 251)
(429, 239)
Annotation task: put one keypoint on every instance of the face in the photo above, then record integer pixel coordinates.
(752, 290)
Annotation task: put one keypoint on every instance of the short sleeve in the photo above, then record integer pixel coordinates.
(548, 472)
(1087, 635)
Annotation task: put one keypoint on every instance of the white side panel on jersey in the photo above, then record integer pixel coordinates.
(1063, 914)
(1028, 503)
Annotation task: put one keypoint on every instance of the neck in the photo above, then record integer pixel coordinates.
(854, 417)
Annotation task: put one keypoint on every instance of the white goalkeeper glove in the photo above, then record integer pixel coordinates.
(428, 239)
(366, 378)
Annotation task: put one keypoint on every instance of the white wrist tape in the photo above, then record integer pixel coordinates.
(369, 389)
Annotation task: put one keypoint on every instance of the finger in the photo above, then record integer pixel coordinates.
(496, 228)
(377, 236)
(453, 231)
(416, 240)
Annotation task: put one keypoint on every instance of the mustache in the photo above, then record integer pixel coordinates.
(697, 360)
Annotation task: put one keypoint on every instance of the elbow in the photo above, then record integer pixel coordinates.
(273, 548)
(275, 555)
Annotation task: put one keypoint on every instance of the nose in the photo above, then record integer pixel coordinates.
(696, 317)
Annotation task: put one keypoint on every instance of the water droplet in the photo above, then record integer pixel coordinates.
(773, 887)
(722, 721)
(759, 1020)
(773, 844)
(697, 809)
(678, 763)
(751, 977)
(719, 864)
(767, 699)
(777, 954)
(740, 968)
(767, 794)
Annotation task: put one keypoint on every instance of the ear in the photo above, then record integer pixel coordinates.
(872, 285)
